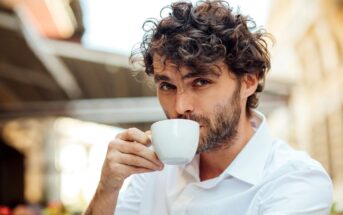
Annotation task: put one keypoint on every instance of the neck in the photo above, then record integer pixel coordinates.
(213, 163)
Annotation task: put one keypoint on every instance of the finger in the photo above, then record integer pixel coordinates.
(137, 149)
(135, 170)
(137, 161)
(134, 134)
(148, 133)
(122, 171)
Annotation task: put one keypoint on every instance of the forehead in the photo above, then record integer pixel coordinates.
(163, 65)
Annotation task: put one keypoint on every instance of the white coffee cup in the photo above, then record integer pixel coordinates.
(175, 141)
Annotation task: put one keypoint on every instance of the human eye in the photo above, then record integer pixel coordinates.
(200, 82)
(164, 86)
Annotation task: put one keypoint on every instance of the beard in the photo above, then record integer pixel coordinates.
(220, 131)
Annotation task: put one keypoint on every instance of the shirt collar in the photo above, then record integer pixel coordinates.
(249, 164)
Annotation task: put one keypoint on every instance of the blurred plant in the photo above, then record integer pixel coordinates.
(56, 209)
(333, 208)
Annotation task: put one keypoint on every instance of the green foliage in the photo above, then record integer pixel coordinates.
(333, 208)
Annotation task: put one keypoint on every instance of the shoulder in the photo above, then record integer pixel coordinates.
(283, 157)
(294, 182)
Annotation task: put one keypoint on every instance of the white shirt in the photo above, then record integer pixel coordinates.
(267, 177)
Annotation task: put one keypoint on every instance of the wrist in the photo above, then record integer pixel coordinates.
(103, 188)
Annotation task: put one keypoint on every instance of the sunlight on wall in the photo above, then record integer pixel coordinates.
(80, 152)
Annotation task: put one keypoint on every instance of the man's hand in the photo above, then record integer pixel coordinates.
(128, 154)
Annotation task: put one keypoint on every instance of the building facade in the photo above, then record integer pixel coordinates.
(308, 54)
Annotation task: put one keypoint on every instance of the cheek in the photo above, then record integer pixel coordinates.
(206, 105)
(165, 100)
(166, 103)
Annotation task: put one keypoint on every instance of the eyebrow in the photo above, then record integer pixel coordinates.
(192, 74)
(158, 78)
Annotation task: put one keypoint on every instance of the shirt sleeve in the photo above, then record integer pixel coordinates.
(130, 198)
(302, 192)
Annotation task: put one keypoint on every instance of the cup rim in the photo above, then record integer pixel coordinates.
(185, 120)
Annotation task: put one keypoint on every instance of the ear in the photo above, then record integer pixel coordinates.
(249, 85)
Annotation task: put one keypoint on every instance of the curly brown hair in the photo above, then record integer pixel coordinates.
(199, 35)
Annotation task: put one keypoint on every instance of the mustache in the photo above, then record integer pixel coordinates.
(198, 118)
(190, 117)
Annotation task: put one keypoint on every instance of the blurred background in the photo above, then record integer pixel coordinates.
(66, 90)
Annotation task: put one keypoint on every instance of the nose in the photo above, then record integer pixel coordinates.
(184, 103)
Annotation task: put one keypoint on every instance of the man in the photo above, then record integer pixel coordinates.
(208, 65)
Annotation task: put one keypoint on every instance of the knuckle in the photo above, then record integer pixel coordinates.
(132, 131)
(120, 134)
(136, 149)
(112, 157)
(109, 158)
(113, 144)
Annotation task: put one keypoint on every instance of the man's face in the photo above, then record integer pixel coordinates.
(210, 98)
